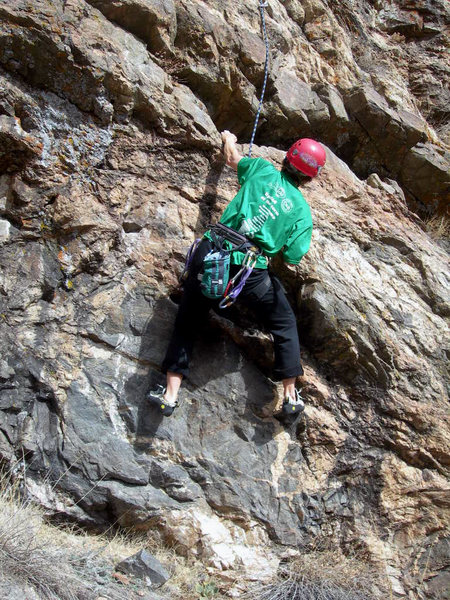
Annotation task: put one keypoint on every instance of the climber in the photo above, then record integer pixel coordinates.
(272, 213)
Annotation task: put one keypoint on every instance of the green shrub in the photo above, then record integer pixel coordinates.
(207, 589)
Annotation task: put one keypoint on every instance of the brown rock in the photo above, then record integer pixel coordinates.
(109, 121)
(16, 146)
(425, 174)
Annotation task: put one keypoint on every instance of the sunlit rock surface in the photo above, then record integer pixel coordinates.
(110, 166)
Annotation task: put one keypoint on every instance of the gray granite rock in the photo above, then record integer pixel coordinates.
(146, 567)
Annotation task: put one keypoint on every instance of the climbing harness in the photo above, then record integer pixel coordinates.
(215, 273)
(262, 6)
(238, 243)
(236, 284)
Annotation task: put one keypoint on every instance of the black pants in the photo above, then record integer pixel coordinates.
(271, 308)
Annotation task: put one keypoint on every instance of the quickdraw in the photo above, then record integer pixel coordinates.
(236, 284)
(262, 6)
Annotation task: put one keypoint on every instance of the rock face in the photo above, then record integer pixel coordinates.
(146, 567)
(110, 166)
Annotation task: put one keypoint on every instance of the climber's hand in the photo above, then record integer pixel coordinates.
(228, 136)
(230, 152)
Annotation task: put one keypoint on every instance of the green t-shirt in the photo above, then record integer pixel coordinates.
(271, 211)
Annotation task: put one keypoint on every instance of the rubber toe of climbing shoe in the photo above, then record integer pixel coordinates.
(293, 407)
(167, 409)
(156, 398)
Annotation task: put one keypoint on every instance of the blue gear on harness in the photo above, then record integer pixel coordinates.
(262, 6)
(241, 243)
(215, 272)
(216, 269)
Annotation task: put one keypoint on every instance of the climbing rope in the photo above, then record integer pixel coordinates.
(262, 6)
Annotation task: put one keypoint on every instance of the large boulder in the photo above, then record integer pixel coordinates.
(425, 173)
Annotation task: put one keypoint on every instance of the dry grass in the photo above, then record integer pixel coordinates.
(56, 563)
(438, 226)
(324, 575)
(30, 558)
(65, 563)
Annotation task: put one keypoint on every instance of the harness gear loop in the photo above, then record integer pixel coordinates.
(262, 6)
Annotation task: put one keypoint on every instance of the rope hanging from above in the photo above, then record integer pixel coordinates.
(262, 6)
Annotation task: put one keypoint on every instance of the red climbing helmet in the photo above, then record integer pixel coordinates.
(307, 156)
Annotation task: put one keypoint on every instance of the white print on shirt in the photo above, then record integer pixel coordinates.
(267, 209)
(286, 204)
(278, 190)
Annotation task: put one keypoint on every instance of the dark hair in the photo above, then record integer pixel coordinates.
(294, 173)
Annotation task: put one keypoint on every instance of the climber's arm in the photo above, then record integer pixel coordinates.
(230, 152)
(299, 241)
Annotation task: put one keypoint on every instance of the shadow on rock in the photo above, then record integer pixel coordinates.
(222, 383)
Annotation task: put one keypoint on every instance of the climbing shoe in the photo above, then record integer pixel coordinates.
(292, 406)
(156, 397)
